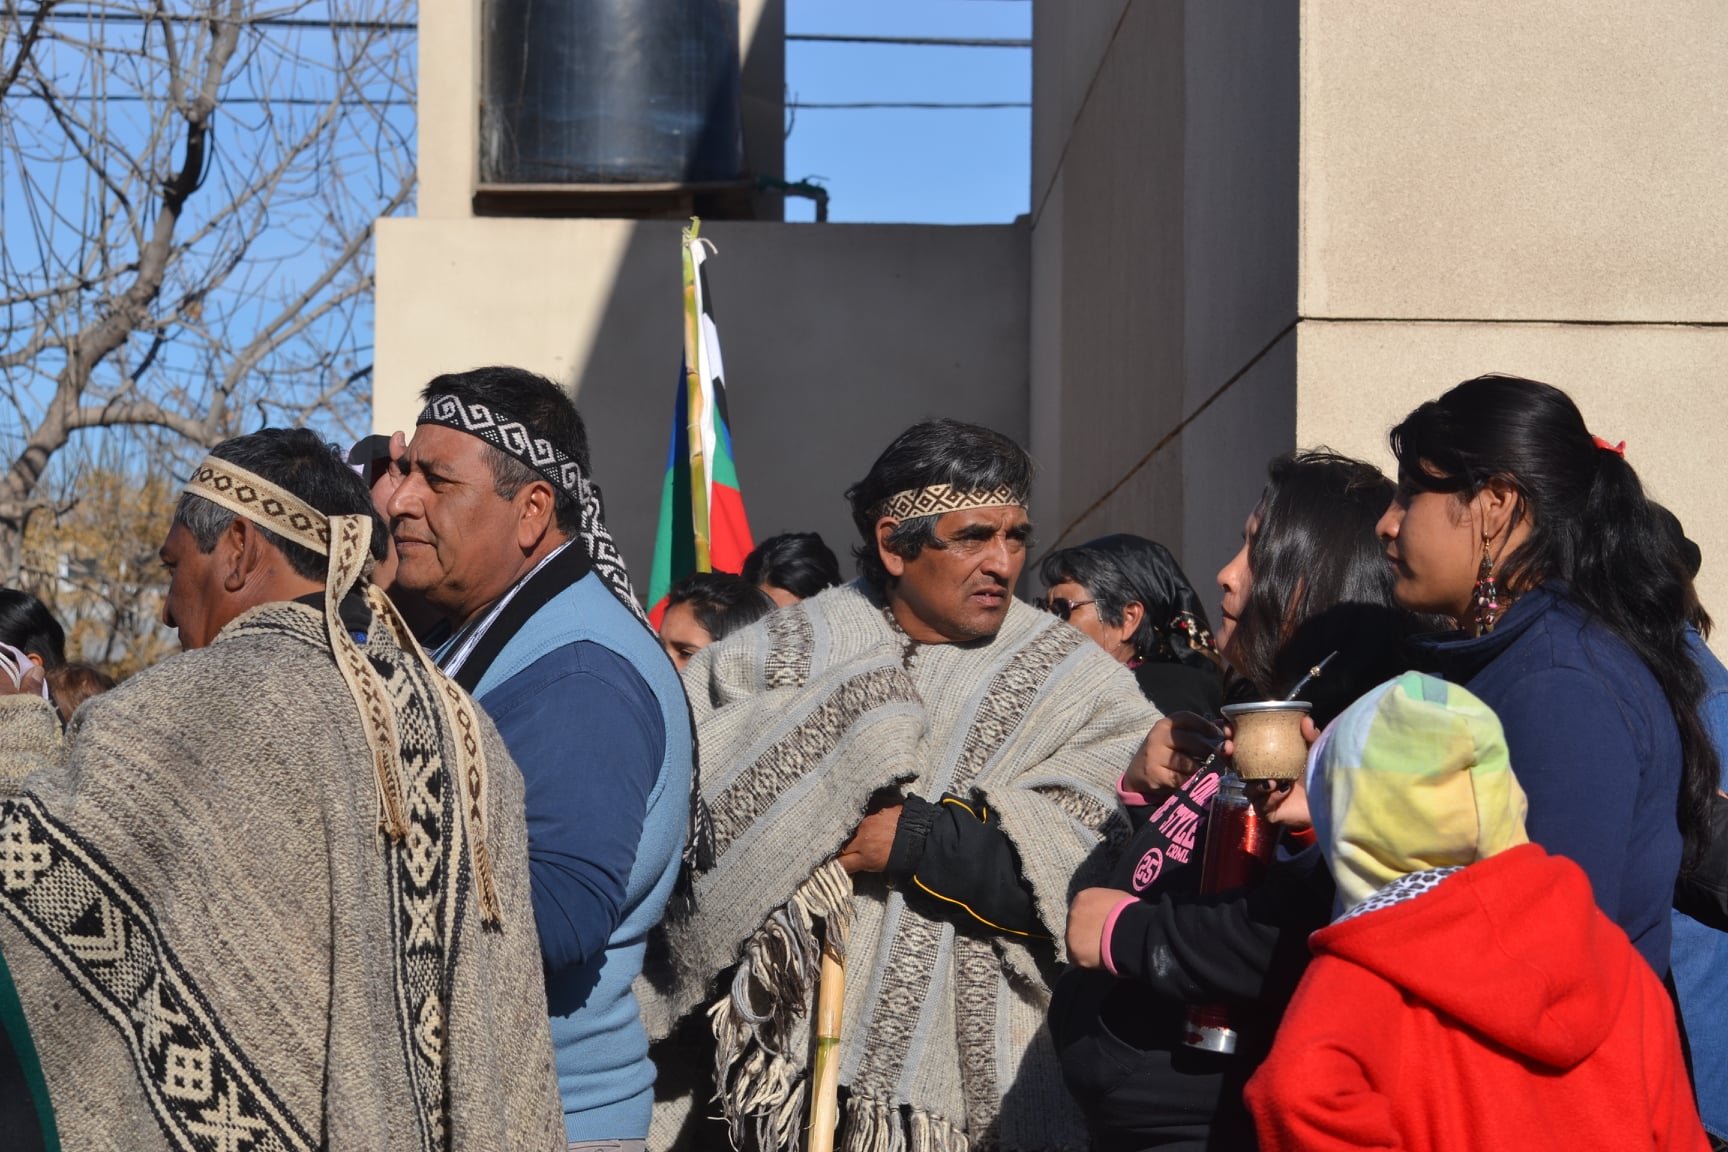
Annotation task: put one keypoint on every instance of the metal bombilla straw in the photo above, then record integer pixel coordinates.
(1296, 692)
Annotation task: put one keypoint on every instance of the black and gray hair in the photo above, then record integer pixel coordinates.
(300, 463)
(1124, 569)
(964, 456)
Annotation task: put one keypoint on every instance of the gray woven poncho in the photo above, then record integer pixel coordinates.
(800, 719)
(215, 947)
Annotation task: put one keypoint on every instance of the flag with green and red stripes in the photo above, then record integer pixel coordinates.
(702, 523)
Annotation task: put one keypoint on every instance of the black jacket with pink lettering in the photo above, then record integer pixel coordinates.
(1120, 1036)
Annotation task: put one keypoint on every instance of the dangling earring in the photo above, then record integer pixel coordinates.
(1485, 600)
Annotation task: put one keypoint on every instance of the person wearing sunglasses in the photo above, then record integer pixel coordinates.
(1131, 597)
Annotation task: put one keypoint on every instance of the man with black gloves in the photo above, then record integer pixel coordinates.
(982, 741)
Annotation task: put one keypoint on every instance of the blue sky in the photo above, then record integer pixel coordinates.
(950, 166)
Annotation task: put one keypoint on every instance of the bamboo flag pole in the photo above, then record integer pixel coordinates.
(830, 1007)
(697, 404)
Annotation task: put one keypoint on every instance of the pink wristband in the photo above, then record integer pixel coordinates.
(1132, 799)
(1109, 926)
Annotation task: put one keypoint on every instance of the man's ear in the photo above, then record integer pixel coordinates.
(238, 553)
(536, 513)
(891, 560)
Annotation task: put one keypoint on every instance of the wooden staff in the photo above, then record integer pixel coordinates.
(830, 1006)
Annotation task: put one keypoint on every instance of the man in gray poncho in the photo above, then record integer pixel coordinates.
(273, 893)
(981, 743)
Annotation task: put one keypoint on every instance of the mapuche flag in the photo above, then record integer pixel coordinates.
(702, 522)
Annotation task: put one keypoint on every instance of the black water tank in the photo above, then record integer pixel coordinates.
(609, 92)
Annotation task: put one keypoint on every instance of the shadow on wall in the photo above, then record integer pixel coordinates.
(835, 339)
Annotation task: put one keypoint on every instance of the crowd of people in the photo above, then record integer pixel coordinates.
(428, 841)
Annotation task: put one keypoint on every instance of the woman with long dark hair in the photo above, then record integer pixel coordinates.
(1537, 539)
(1131, 597)
(1309, 581)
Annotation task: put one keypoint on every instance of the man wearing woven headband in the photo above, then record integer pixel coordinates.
(984, 739)
(498, 525)
(274, 892)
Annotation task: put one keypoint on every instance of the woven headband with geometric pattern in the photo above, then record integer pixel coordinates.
(511, 437)
(261, 502)
(938, 499)
(347, 542)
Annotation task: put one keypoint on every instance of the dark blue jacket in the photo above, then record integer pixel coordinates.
(1594, 743)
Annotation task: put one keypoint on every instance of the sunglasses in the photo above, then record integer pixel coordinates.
(1061, 607)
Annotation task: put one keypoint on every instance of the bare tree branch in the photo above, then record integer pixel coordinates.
(117, 413)
(172, 262)
(25, 42)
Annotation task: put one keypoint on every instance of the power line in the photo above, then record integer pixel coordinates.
(259, 22)
(925, 41)
(412, 26)
(395, 102)
(913, 104)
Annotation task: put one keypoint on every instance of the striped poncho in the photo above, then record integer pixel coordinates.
(800, 720)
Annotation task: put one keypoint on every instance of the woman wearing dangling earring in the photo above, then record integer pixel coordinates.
(1537, 539)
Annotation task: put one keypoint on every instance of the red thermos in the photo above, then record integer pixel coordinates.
(1238, 845)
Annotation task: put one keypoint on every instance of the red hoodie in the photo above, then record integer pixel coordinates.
(1499, 1010)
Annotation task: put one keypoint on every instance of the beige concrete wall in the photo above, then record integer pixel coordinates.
(1164, 266)
(1532, 188)
(448, 123)
(836, 337)
(1530, 161)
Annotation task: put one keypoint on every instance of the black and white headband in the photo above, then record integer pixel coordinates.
(511, 437)
(516, 440)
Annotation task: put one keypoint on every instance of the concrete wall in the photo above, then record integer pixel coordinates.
(1261, 225)
(1253, 225)
(836, 337)
(1527, 188)
(1164, 267)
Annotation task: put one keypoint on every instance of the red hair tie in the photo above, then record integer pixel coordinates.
(1618, 449)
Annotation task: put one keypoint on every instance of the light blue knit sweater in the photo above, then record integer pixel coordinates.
(604, 1072)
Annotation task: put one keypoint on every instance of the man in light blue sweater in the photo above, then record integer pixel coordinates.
(498, 526)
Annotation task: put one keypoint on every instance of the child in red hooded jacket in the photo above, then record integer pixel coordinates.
(1470, 996)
